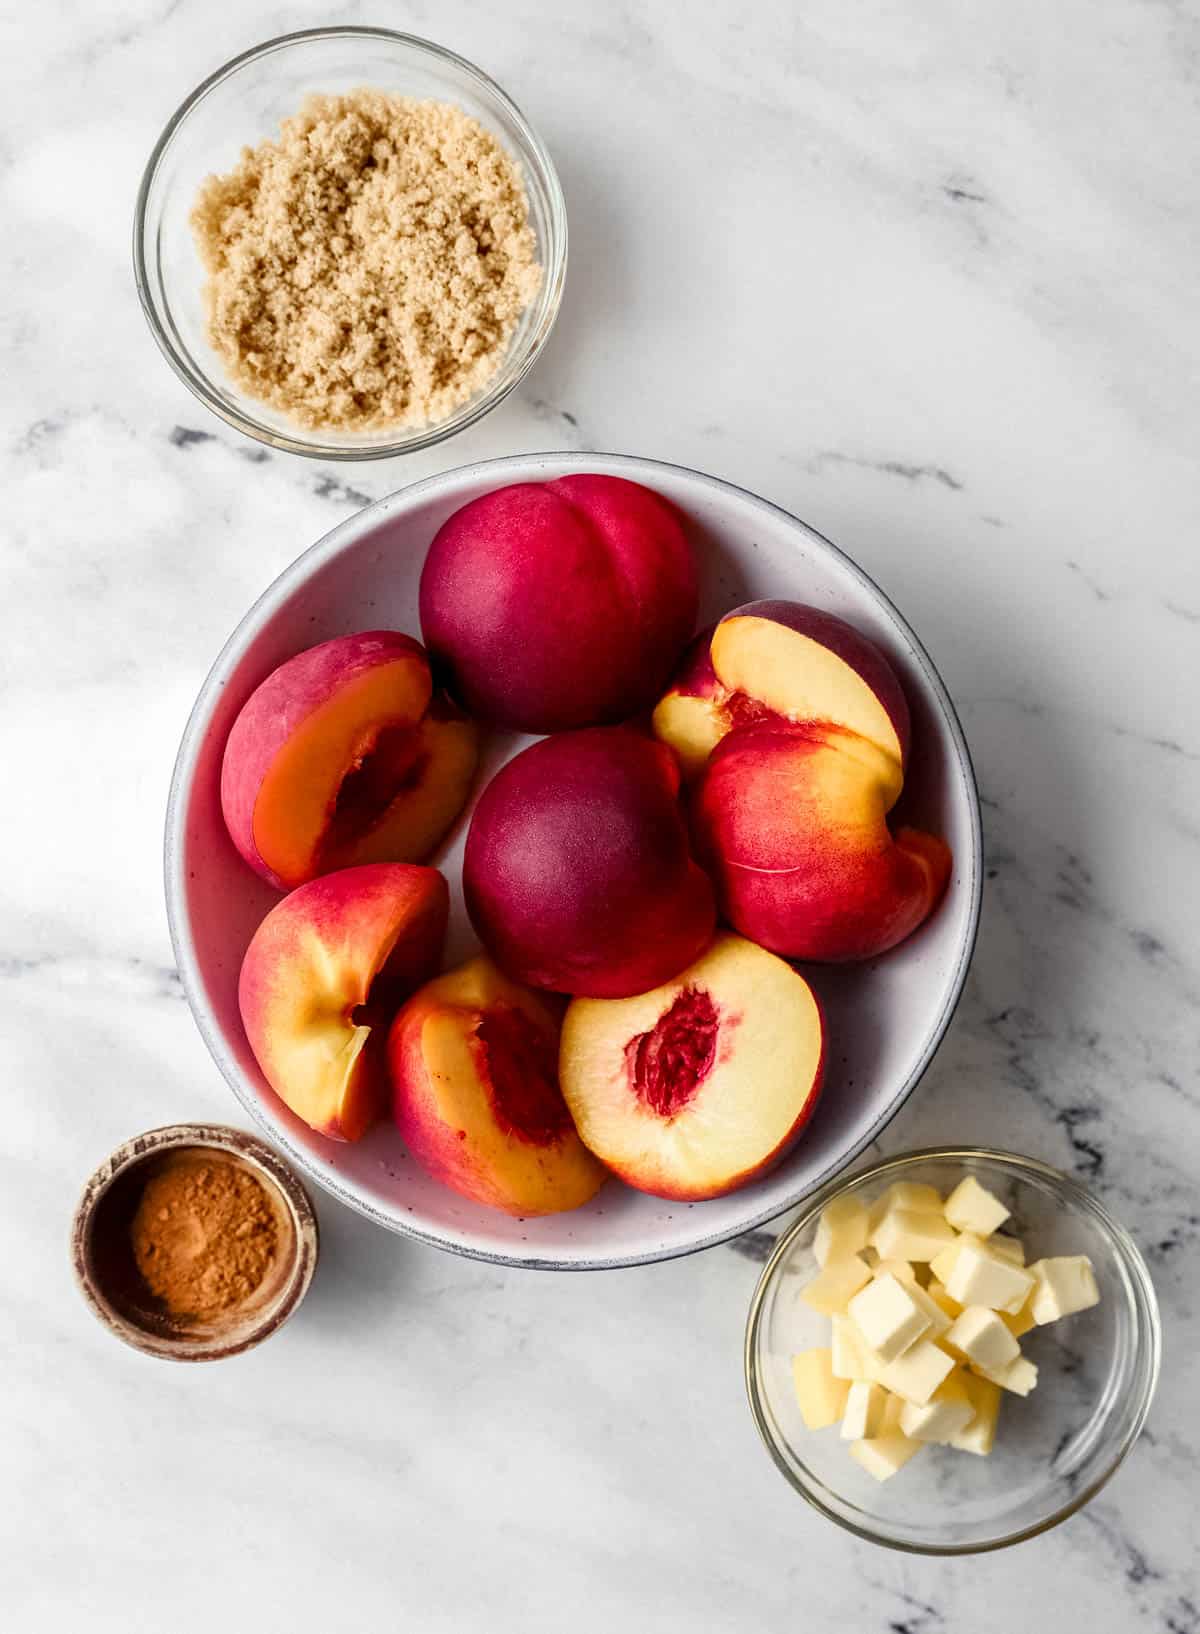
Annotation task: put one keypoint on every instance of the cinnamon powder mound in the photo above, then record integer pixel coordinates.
(204, 1237)
(368, 268)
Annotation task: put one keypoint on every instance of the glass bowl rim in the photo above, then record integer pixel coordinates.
(1149, 1341)
(512, 369)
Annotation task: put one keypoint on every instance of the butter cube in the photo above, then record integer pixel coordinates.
(947, 1412)
(939, 1321)
(883, 1456)
(906, 1194)
(980, 1434)
(863, 1417)
(981, 1337)
(822, 1398)
(971, 1207)
(832, 1288)
(942, 1299)
(900, 1269)
(841, 1230)
(979, 1277)
(853, 1358)
(1004, 1248)
(1062, 1286)
(1022, 1322)
(1020, 1376)
(893, 1406)
(888, 1317)
(905, 1234)
(917, 1373)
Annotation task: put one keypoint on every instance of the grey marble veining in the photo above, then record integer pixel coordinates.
(924, 274)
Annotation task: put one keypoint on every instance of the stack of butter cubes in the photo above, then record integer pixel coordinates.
(928, 1302)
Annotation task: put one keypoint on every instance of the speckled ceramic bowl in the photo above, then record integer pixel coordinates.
(886, 1016)
(109, 1279)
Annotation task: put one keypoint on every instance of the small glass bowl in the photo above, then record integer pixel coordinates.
(241, 105)
(1054, 1449)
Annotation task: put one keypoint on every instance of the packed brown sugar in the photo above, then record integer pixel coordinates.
(368, 268)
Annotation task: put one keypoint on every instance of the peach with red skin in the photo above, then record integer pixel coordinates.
(343, 755)
(701, 1085)
(781, 661)
(791, 822)
(473, 1059)
(559, 604)
(322, 977)
(577, 874)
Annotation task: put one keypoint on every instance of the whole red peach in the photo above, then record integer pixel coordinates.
(577, 874)
(559, 604)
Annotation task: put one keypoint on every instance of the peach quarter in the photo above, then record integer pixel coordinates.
(781, 661)
(697, 1087)
(323, 976)
(474, 1070)
(344, 755)
(791, 822)
(559, 604)
(577, 874)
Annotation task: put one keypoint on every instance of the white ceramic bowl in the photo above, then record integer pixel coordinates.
(886, 1017)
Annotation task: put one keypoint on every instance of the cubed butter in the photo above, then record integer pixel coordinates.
(900, 1269)
(905, 1234)
(916, 1374)
(888, 1317)
(912, 1194)
(1002, 1247)
(1020, 1324)
(947, 1412)
(835, 1284)
(886, 1454)
(939, 1321)
(841, 1230)
(942, 1299)
(863, 1417)
(853, 1358)
(979, 1277)
(980, 1434)
(1062, 1286)
(822, 1398)
(1020, 1376)
(981, 1336)
(971, 1207)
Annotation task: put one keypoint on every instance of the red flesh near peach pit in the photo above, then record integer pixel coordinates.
(559, 604)
(342, 756)
(668, 1063)
(519, 1064)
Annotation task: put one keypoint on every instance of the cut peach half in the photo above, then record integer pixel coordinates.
(698, 1086)
(322, 978)
(781, 661)
(343, 756)
(474, 1068)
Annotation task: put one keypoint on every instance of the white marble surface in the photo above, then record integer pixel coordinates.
(923, 272)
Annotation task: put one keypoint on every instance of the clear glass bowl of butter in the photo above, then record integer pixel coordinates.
(1053, 1448)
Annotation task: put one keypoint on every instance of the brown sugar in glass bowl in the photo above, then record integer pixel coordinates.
(194, 1242)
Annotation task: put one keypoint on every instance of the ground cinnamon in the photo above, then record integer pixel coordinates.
(204, 1236)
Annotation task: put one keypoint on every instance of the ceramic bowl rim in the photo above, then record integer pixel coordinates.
(325, 549)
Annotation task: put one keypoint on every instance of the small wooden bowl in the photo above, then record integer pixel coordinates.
(110, 1281)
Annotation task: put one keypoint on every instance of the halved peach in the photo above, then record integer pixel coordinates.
(322, 978)
(344, 756)
(474, 1066)
(782, 661)
(791, 823)
(698, 1086)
